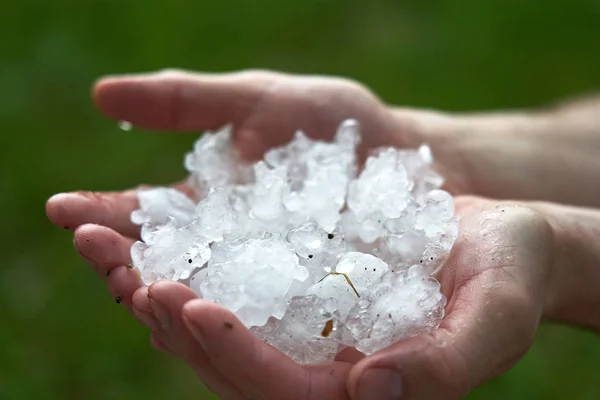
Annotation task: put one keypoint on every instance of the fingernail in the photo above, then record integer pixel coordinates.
(147, 319)
(161, 314)
(381, 384)
(196, 331)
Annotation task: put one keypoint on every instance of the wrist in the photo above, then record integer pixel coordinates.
(482, 154)
(496, 155)
(449, 144)
(573, 295)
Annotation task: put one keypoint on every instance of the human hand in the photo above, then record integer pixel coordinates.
(542, 154)
(266, 108)
(500, 280)
(103, 235)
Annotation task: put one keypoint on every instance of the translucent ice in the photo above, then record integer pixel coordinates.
(158, 205)
(307, 332)
(403, 305)
(307, 252)
(260, 273)
(170, 253)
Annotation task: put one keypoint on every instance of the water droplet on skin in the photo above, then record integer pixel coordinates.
(125, 125)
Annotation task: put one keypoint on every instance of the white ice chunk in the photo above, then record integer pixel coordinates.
(404, 305)
(364, 270)
(306, 333)
(158, 205)
(172, 254)
(259, 274)
(337, 287)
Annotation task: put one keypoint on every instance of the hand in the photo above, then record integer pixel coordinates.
(497, 282)
(265, 108)
(493, 307)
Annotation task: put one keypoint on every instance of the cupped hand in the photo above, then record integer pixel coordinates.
(495, 280)
(264, 107)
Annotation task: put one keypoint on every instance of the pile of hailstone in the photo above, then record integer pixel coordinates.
(310, 254)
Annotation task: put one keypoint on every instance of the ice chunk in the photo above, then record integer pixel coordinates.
(270, 188)
(215, 162)
(158, 205)
(214, 215)
(383, 187)
(405, 304)
(364, 270)
(197, 279)
(437, 208)
(252, 278)
(337, 287)
(307, 332)
(172, 254)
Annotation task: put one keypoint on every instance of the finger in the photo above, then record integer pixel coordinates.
(108, 253)
(110, 209)
(181, 101)
(159, 307)
(122, 283)
(102, 247)
(494, 312)
(259, 370)
(349, 355)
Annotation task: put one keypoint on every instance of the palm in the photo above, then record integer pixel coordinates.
(485, 278)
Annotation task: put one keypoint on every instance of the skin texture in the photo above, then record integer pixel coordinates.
(509, 269)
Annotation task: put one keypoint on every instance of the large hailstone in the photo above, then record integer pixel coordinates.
(260, 273)
(308, 255)
(403, 305)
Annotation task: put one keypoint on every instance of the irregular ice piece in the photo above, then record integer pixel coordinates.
(253, 278)
(197, 278)
(271, 185)
(364, 270)
(437, 208)
(214, 215)
(292, 157)
(317, 249)
(404, 304)
(157, 205)
(318, 173)
(172, 254)
(383, 186)
(306, 333)
(338, 288)
(214, 162)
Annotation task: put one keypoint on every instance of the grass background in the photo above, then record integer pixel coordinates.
(61, 335)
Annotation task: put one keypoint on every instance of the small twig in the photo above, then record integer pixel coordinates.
(347, 280)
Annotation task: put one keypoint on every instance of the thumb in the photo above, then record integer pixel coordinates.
(475, 343)
(174, 100)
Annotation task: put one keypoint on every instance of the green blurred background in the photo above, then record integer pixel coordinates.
(61, 335)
